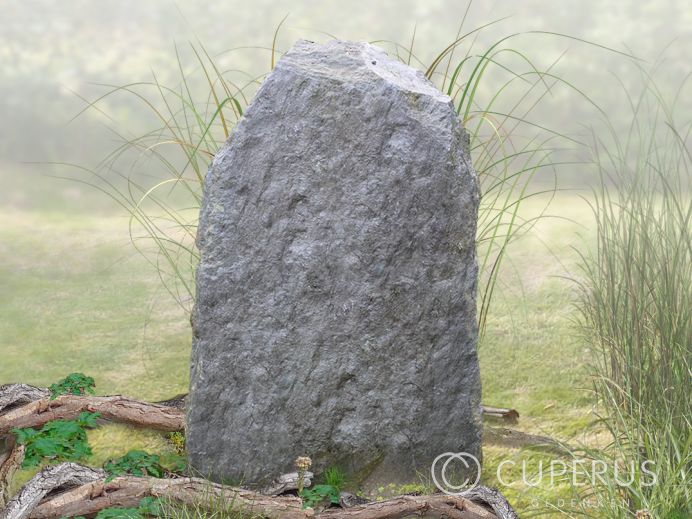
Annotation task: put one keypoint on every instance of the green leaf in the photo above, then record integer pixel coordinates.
(137, 463)
(59, 440)
(312, 496)
(73, 384)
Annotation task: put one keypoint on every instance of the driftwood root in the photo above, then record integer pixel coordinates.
(112, 408)
(10, 462)
(69, 489)
(45, 482)
(12, 395)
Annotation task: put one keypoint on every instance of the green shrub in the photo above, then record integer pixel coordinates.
(136, 463)
(334, 477)
(59, 440)
(326, 494)
(73, 384)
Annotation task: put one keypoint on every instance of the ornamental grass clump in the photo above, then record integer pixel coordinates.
(635, 310)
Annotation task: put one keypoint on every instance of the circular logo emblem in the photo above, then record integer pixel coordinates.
(455, 464)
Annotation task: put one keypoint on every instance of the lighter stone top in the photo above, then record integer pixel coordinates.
(357, 63)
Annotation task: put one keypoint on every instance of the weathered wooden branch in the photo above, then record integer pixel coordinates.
(286, 483)
(113, 408)
(49, 479)
(69, 490)
(128, 491)
(507, 415)
(439, 505)
(10, 461)
(12, 395)
(492, 498)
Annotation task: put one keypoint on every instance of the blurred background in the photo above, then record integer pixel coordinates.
(52, 56)
(81, 80)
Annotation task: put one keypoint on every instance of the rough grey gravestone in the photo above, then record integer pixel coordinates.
(336, 291)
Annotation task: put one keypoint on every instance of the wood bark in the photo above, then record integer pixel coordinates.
(492, 498)
(70, 489)
(113, 408)
(83, 491)
(10, 461)
(49, 479)
(440, 505)
(507, 415)
(128, 491)
(286, 483)
(12, 395)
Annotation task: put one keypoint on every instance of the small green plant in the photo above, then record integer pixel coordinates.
(73, 384)
(328, 492)
(334, 477)
(136, 463)
(318, 494)
(177, 440)
(174, 462)
(59, 440)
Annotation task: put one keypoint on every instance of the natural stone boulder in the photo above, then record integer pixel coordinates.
(336, 292)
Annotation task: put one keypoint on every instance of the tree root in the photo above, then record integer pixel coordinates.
(10, 461)
(46, 481)
(112, 408)
(70, 489)
(12, 395)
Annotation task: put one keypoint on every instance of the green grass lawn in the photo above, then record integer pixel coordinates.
(531, 358)
(77, 297)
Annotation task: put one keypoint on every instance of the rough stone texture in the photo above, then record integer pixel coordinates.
(336, 293)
